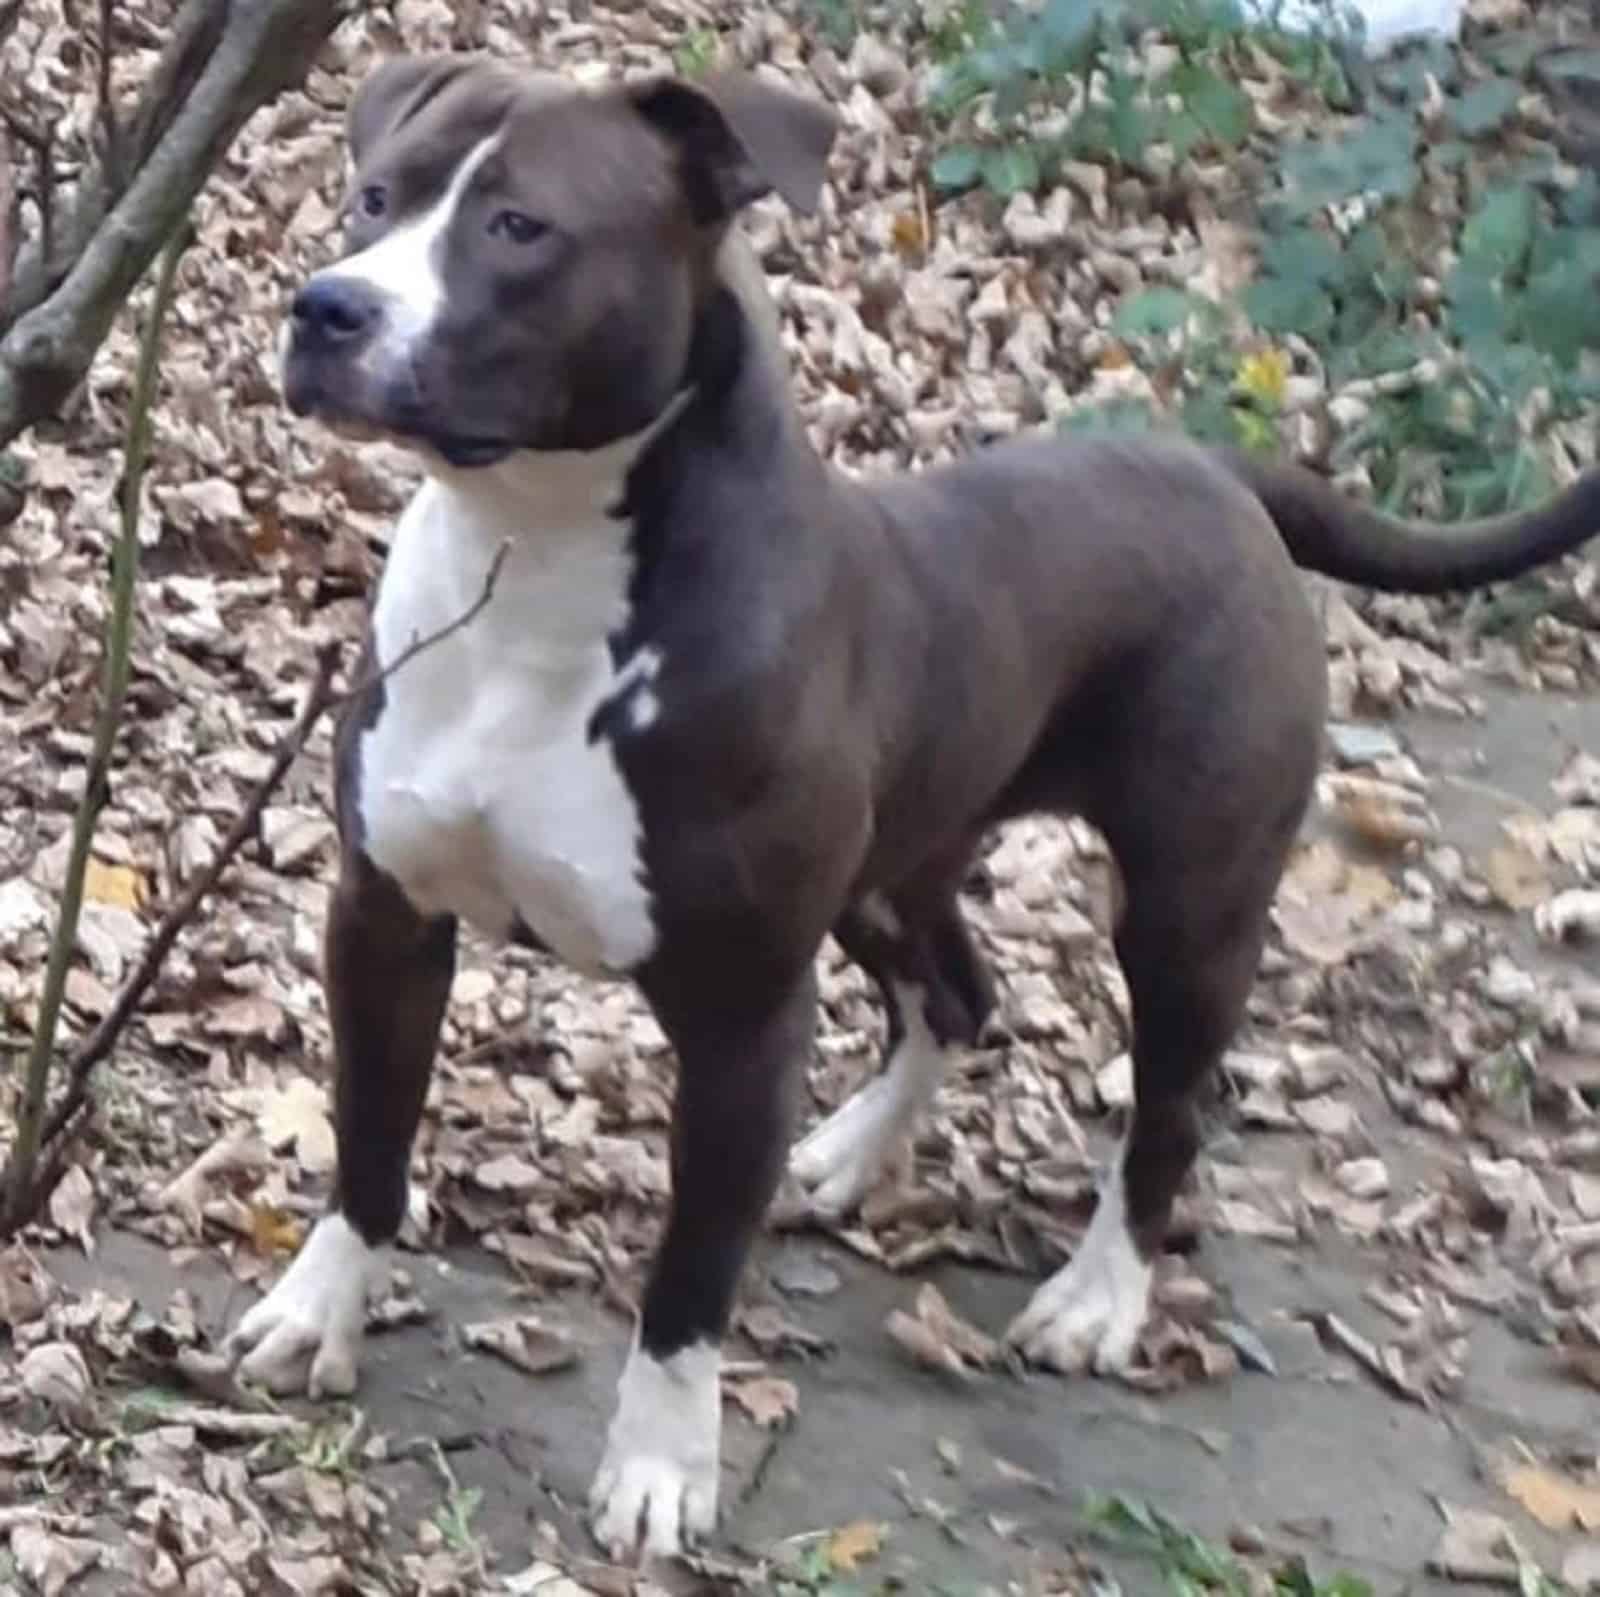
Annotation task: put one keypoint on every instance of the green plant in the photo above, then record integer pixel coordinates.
(1502, 338)
(696, 53)
(1194, 1567)
(1065, 81)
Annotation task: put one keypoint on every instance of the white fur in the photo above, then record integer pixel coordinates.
(404, 267)
(844, 1157)
(480, 790)
(1091, 1311)
(306, 1333)
(656, 1490)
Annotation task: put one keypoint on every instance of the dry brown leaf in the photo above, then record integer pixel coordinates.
(52, 1562)
(118, 885)
(1325, 903)
(525, 1342)
(851, 1545)
(1516, 876)
(1557, 1501)
(25, 1287)
(296, 1115)
(272, 1231)
(1475, 1546)
(72, 1206)
(769, 1400)
(56, 1374)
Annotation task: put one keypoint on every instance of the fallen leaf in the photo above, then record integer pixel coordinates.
(935, 1337)
(297, 1114)
(72, 1206)
(509, 1174)
(526, 1342)
(1475, 1546)
(1555, 1500)
(273, 1231)
(1325, 903)
(119, 885)
(56, 1374)
(1516, 876)
(52, 1562)
(850, 1545)
(769, 1400)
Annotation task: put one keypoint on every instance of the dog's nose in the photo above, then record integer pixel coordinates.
(333, 310)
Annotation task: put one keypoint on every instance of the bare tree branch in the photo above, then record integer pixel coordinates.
(105, 111)
(183, 909)
(118, 650)
(226, 60)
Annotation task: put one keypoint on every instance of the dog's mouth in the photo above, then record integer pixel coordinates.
(466, 451)
(461, 451)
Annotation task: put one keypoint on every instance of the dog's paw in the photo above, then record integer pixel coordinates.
(1090, 1313)
(655, 1494)
(843, 1159)
(305, 1335)
(646, 1508)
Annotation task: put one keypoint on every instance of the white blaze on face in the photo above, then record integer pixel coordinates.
(404, 267)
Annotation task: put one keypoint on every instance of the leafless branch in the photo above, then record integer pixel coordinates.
(105, 110)
(224, 61)
(184, 907)
(418, 645)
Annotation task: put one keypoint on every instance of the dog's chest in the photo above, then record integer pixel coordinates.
(487, 787)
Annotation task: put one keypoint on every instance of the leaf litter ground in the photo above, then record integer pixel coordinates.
(1378, 1334)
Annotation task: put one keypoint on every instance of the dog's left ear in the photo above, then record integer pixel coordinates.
(740, 137)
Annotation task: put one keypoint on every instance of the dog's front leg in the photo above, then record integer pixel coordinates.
(387, 976)
(656, 1490)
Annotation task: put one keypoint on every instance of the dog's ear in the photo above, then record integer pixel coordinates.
(739, 138)
(395, 91)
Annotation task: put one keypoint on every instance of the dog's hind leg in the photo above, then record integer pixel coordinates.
(937, 993)
(1189, 942)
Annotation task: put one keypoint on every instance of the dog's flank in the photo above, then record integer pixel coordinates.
(726, 701)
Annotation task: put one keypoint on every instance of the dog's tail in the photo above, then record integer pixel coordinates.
(1327, 532)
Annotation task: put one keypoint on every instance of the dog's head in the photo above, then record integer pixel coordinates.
(525, 259)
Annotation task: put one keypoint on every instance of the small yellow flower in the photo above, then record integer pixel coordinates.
(1264, 376)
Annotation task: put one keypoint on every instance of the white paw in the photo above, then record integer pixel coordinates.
(656, 1490)
(844, 1158)
(305, 1335)
(1089, 1314)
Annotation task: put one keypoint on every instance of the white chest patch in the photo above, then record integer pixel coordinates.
(481, 790)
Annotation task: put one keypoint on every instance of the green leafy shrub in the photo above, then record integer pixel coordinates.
(1509, 321)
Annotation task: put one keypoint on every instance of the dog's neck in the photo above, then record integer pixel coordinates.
(567, 532)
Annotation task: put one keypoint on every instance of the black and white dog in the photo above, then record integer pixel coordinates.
(724, 702)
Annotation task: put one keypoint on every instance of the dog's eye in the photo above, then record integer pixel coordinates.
(517, 226)
(373, 200)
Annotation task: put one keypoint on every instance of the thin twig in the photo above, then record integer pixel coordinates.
(119, 637)
(112, 154)
(182, 910)
(416, 646)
